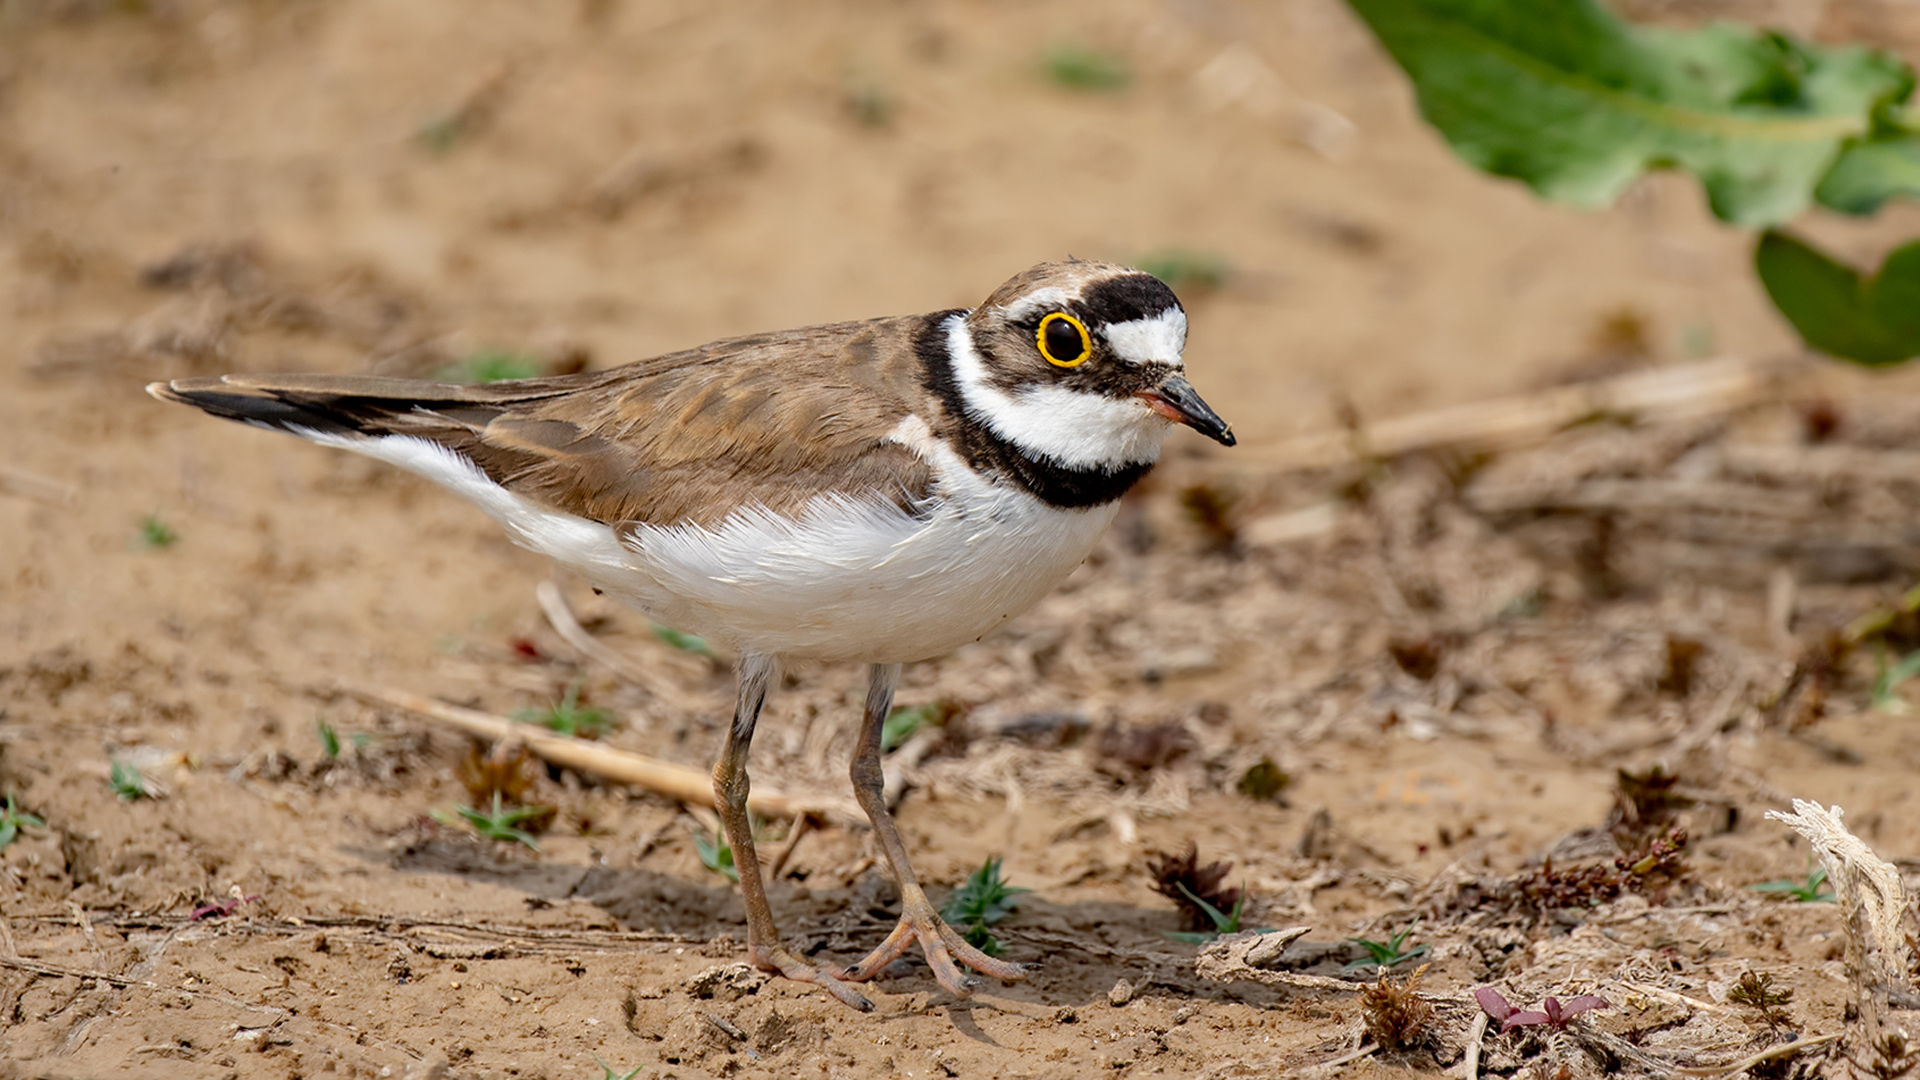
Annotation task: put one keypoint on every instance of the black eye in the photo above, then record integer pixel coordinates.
(1063, 340)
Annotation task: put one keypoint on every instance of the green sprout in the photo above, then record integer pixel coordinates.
(330, 740)
(607, 1073)
(489, 366)
(684, 642)
(568, 717)
(13, 820)
(156, 534)
(1185, 269)
(1389, 953)
(984, 900)
(499, 823)
(1886, 686)
(715, 854)
(1079, 67)
(869, 101)
(1224, 922)
(442, 133)
(1813, 890)
(902, 722)
(129, 783)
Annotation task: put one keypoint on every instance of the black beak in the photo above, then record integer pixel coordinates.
(1177, 400)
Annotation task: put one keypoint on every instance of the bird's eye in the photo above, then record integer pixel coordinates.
(1063, 340)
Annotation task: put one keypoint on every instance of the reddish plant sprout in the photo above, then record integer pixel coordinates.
(1552, 1012)
(220, 909)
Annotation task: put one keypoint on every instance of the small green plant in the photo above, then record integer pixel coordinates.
(607, 1073)
(1812, 890)
(1080, 67)
(442, 133)
(569, 717)
(715, 854)
(1886, 685)
(684, 642)
(902, 722)
(982, 901)
(13, 820)
(1227, 922)
(1389, 953)
(489, 366)
(868, 101)
(1186, 269)
(128, 782)
(156, 534)
(330, 741)
(499, 823)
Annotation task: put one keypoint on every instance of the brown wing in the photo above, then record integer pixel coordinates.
(772, 419)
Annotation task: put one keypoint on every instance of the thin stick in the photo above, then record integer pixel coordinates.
(86, 927)
(1470, 1067)
(1346, 1059)
(39, 488)
(691, 786)
(1783, 1050)
(1672, 393)
(801, 827)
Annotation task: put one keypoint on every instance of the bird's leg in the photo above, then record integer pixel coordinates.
(919, 922)
(730, 785)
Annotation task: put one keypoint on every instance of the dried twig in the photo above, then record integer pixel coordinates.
(15, 481)
(1670, 393)
(801, 826)
(1769, 1054)
(1470, 1064)
(691, 786)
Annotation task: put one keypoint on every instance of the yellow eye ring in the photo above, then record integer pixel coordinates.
(1056, 351)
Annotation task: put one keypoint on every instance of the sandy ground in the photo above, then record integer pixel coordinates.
(1448, 675)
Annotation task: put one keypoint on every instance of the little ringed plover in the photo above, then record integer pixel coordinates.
(880, 491)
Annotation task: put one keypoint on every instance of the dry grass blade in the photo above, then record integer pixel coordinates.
(1869, 890)
(14, 481)
(689, 785)
(1771, 1053)
(1671, 393)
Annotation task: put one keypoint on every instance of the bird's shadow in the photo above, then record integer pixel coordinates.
(1075, 952)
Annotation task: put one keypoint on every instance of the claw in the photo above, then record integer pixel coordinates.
(777, 960)
(943, 946)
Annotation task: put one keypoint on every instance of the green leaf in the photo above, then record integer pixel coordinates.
(489, 366)
(683, 641)
(1873, 321)
(1872, 171)
(902, 722)
(715, 854)
(1560, 95)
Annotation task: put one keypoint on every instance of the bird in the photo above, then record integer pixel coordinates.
(878, 492)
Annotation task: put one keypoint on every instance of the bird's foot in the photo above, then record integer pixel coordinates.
(946, 950)
(778, 960)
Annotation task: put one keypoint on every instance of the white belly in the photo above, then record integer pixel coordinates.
(846, 580)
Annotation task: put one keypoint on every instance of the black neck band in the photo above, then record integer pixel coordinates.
(1054, 484)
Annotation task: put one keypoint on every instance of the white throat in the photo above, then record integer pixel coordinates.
(1052, 423)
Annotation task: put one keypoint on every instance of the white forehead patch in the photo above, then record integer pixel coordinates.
(1156, 340)
(1051, 298)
